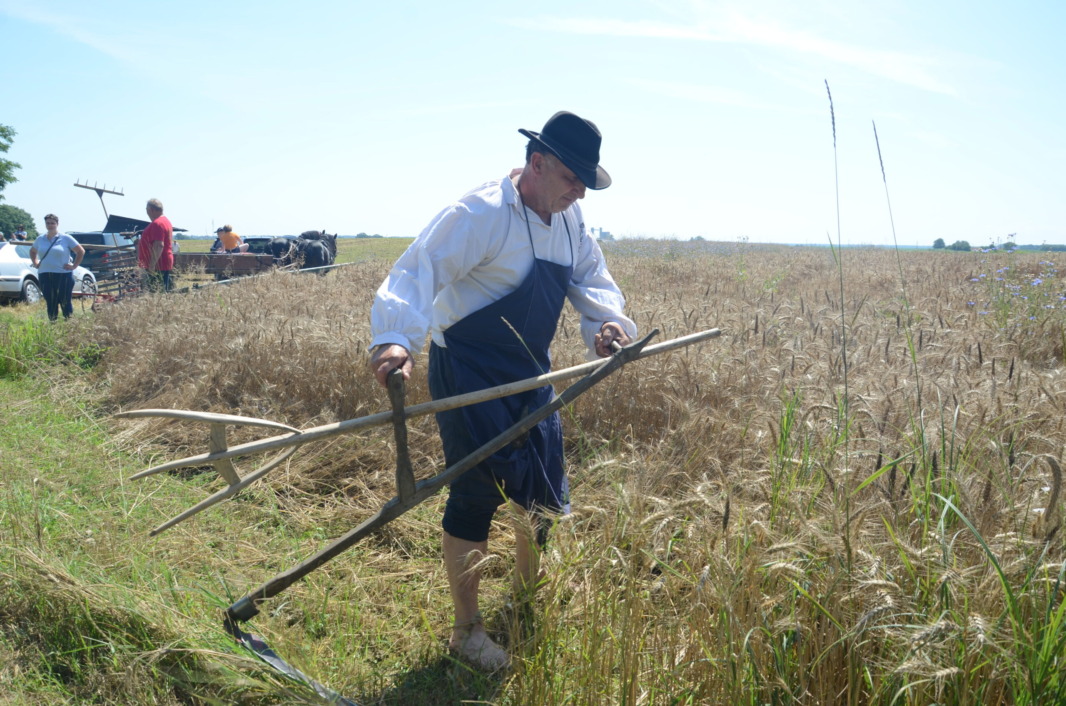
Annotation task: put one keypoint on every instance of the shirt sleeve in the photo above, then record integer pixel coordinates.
(593, 292)
(444, 252)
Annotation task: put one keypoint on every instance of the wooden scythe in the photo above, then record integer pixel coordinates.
(409, 493)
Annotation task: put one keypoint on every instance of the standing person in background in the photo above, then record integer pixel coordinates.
(20, 233)
(488, 279)
(56, 255)
(231, 242)
(155, 250)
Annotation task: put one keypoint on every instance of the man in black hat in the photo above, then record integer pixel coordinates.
(487, 280)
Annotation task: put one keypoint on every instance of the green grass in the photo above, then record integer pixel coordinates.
(28, 340)
(93, 610)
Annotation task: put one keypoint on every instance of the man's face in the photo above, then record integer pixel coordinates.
(561, 187)
(153, 213)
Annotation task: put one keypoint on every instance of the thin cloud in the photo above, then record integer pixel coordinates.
(616, 28)
(118, 47)
(735, 28)
(442, 109)
(701, 93)
(894, 66)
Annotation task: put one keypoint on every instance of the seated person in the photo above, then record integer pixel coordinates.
(231, 242)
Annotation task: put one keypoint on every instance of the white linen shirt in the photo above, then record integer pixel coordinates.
(477, 251)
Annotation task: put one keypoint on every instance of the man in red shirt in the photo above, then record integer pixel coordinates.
(154, 250)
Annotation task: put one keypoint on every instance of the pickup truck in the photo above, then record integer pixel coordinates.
(107, 253)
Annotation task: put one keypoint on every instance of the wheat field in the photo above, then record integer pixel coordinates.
(840, 500)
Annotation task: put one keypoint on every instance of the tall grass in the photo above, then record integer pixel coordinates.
(28, 342)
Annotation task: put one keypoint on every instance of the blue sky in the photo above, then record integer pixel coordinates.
(370, 117)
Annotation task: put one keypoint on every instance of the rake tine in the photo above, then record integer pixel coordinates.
(226, 492)
(223, 466)
(210, 417)
(298, 438)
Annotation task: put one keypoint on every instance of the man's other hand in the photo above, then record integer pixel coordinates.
(610, 333)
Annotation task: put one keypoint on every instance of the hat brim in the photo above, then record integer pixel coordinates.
(593, 176)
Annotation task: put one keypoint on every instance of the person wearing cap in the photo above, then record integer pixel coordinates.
(20, 233)
(487, 279)
(231, 242)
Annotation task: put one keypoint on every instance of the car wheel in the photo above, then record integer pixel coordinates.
(88, 286)
(31, 292)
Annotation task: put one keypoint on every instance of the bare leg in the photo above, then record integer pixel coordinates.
(469, 638)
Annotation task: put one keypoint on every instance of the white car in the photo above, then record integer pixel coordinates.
(18, 278)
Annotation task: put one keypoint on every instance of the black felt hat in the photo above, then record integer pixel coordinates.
(576, 142)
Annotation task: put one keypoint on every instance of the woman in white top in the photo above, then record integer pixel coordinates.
(56, 255)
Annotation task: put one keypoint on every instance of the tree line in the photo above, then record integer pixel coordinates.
(11, 216)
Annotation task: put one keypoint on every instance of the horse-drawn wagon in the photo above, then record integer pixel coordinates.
(311, 249)
(224, 265)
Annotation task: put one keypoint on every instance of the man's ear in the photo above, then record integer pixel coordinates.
(537, 163)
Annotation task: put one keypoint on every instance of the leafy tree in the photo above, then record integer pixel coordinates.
(960, 245)
(13, 216)
(7, 167)
(938, 244)
(1009, 245)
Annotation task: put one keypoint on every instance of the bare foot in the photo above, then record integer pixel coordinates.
(473, 644)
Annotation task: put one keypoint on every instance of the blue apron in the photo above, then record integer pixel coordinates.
(505, 341)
